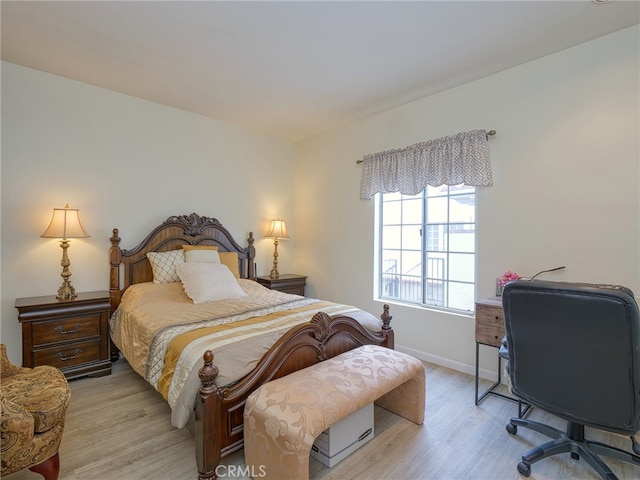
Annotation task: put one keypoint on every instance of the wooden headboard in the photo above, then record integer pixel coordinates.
(171, 234)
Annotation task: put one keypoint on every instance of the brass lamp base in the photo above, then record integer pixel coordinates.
(66, 290)
(274, 271)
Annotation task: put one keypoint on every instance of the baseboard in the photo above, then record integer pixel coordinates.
(448, 363)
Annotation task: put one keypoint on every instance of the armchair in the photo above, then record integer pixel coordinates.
(574, 351)
(33, 404)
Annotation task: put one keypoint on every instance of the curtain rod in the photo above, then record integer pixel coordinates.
(490, 133)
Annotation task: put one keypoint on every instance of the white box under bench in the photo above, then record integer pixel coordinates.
(345, 437)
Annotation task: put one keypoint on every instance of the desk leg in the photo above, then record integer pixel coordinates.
(477, 369)
(523, 407)
(490, 390)
(479, 398)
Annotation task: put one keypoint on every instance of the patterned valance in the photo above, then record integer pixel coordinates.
(452, 160)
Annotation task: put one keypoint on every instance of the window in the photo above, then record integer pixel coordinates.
(427, 247)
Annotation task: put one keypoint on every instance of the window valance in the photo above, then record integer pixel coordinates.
(451, 160)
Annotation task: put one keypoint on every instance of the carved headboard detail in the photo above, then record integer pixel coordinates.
(128, 267)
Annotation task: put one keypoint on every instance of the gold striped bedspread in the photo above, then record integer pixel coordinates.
(163, 335)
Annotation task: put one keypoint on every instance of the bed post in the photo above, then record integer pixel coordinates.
(115, 258)
(250, 257)
(386, 326)
(208, 421)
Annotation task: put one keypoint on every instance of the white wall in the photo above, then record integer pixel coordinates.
(565, 163)
(566, 185)
(125, 163)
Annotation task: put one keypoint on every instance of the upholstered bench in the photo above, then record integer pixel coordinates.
(283, 417)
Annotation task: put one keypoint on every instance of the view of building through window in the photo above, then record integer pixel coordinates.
(427, 247)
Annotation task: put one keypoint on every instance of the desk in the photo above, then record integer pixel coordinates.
(490, 331)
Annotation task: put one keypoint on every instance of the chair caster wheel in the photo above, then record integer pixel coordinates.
(524, 469)
(511, 428)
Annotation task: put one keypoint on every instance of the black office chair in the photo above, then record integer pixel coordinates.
(574, 351)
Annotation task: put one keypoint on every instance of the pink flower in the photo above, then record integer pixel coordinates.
(507, 277)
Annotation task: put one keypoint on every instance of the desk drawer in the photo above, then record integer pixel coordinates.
(68, 355)
(489, 323)
(63, 330)
(489, 335)
(490, 316)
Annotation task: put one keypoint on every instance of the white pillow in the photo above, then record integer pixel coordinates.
(206, 256)
(207, 282)
(163, 265)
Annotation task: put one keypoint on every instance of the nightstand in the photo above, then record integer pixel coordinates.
(71, 335)
(288, 283)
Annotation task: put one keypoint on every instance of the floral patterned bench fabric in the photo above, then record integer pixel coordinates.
(283, 417)
(33, 404)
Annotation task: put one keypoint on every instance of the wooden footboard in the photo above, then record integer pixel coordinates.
(219, 410)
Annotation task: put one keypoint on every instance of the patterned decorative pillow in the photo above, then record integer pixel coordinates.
(163, 265)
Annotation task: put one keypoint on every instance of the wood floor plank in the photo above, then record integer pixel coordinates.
(118, 428)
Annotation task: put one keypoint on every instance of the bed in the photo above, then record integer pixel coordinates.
(319, 330)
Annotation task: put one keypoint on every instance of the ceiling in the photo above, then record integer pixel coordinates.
(294, 69)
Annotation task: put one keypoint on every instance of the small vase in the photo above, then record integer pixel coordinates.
(499, 287)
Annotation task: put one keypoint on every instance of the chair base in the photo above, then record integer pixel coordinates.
(49, 469)
(572, 441)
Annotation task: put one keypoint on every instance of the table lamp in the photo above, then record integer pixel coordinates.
(277, 230)
(65, 224)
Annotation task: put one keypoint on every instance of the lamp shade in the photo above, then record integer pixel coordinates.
(65, 223)
(278, 229)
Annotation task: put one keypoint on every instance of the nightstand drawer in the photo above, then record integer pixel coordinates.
(56, 331)
(69, 355)
(72, 335)
(287, 283)
(298, 290)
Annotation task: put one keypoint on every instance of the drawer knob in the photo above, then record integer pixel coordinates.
(60, 329)
(62, 358)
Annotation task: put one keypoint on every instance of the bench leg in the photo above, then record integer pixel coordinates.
(408, 399)
(269, 454)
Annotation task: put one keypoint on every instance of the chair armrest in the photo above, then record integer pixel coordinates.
(18, 426)
(7, 368)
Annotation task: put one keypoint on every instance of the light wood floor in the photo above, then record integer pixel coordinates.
(118, 428)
